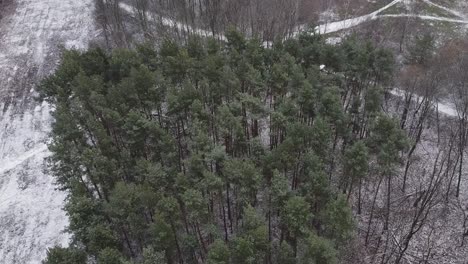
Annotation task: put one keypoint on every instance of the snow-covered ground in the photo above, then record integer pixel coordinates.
(445, 108)
(31, 215)
(451, 11)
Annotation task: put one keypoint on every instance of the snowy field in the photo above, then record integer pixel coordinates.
(31, 215)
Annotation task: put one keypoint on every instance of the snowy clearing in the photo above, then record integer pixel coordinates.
(31, 214)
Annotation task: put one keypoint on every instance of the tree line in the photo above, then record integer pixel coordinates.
(213, 152)
(428, 71)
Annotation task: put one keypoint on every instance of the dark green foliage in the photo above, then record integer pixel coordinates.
(387, 141)
(109, 256)
(336, 218)
(216, 153)
(296, 215)
(153, 257)
(421, 51)
(219, 253)
(317, 250)
(70, 255)
(356, 163)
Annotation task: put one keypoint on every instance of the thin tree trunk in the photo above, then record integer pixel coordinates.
(372, 211)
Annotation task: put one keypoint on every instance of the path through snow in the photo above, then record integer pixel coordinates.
(168, 22)
(443, 107)
(425, 17)
(352, 22)
(451, 11)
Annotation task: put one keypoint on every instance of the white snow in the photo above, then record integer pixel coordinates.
(31, 214)
(352, 22)
(443, 107)
(453, 12)
(425, 17)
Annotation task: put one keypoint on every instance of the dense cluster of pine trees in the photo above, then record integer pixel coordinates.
(215, 152)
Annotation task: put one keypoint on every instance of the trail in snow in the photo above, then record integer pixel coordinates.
(352, 22)
(443, 108)
(424, 17)
(451, 11)
(173, 23)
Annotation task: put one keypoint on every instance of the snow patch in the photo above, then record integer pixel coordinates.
(443, 107)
